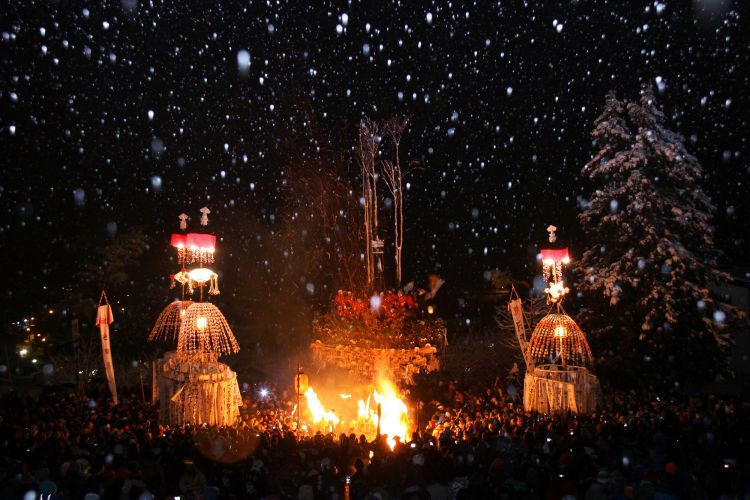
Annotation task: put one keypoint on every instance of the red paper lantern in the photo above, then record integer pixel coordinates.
(194, 247)
(178, 240)
(553, 260)
(555, 254)
(203, 241)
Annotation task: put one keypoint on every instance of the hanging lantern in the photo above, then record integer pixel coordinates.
(560, 331)
(200, 248)
(301, 383)
(555, 254)
(200, 323)
(201, 275)
(178, 241)
(203, 241)
(553, 261)
(194, 247)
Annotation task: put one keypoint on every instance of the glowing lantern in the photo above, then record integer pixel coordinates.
(202, 241)
(201, 275)
(178, 241)
(301, 383)
(200, 323)
(560, 331)
(194, 247)
(550, 255)
(553, 260)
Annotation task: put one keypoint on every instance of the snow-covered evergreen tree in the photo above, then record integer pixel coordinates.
(650, 256)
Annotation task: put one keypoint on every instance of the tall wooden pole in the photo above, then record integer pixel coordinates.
(379, 415)
(298, 398)
(143, 389)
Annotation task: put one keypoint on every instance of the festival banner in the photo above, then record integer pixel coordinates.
(516, 311)
(103, 319)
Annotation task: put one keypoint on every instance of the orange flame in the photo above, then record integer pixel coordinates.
(317, 409)
(394, 416)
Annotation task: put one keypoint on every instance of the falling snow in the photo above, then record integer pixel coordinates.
(128, 114)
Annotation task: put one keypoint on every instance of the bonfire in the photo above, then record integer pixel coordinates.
(382, 411)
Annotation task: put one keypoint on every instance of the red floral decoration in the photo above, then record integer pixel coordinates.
(393, 308)
(347, 306)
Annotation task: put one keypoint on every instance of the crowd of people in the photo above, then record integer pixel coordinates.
(469, 444)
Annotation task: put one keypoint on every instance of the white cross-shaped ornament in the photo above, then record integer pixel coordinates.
(552, 236)
(204, 217)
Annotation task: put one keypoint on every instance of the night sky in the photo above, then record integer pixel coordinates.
(116, 114)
